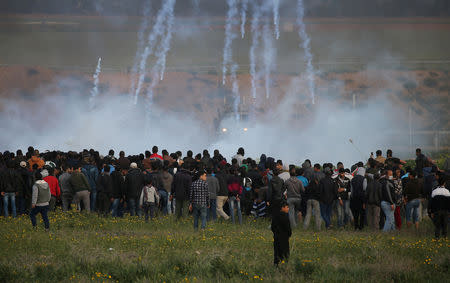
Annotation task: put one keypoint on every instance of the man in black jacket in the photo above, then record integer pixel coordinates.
(275, 192)
(358, 198)
(373, 197)
(328, 193)
(118, 193)
(10, 182)
(440, 207)
(343, 207)
(104, 191)
(181, 186)
(134, 183)
(312, 194)
(388, 201)
(281, 229)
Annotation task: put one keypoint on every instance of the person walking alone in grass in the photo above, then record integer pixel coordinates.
(40, 201)
(281, 229)
(199, 199)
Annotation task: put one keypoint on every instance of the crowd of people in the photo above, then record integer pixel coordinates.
(377, 194)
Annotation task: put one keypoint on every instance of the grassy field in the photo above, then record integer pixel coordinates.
(82, 248)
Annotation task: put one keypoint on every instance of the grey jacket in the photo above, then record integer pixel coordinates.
(41, 193)
(294, 187)
(213, 186)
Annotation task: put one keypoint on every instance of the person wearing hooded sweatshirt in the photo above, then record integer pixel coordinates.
(262, 163)
(358, 197)
(40, 201)
(294, 189)
(53, 183)
(213, 187)
(275, 192)
(166, 185)
(328, 193)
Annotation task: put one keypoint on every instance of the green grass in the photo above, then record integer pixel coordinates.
(84, 247)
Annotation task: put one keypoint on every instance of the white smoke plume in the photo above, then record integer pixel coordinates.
(94, 90)
(306, 44)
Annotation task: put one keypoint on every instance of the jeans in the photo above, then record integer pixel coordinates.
(234, 202)
(20, 205)
(164, 198)
(149, 208)
(212, 214)
(117, 208)
(199, 211)
(412, 208)
(344, 214)
(133, 206)
(294, 207)
(312, 205)
(325, 211)
(221, 200)
(43, 211)
(93, 200)
(9, 197)
(389, 224)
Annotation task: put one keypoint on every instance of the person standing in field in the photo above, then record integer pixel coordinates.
(40, 201)
(398, 188)
(440, 207)
(199, 200)
(213, 186)
(294, 189)
(181, 186)
(81, 188)
(281, 229)
(105, 191)
(48, 175)
(388, 201)
(412, 194)
(149, 199)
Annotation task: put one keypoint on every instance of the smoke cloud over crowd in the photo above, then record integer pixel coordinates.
(72, 121)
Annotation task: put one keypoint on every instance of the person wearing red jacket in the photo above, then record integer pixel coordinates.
(49, 177)
(155, 155)
(234, 192)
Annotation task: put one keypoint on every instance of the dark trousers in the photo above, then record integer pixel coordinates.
(103, 204)
(440, 223)
(358, 214)
(149, 208)
(43, 211)
(280, 249)
(180, 205)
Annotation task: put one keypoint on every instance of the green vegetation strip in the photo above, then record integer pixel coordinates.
(88, 248)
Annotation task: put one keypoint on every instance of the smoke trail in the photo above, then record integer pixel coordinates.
(162, 54)
(157, 31)
(235, 90)
(160, 66)
(268, 57)
(254, 46)
(140, 44)
(307, 49)
(243, 16)
(229, 37)
(94, 90)
(276, 17)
